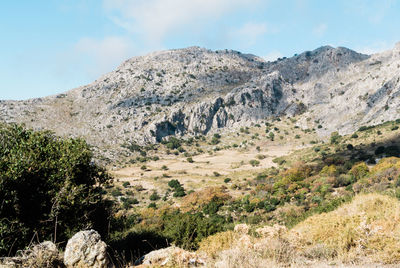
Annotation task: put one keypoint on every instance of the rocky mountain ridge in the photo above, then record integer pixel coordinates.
(195, 91)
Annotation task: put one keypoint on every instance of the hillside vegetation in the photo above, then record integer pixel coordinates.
(302, 200)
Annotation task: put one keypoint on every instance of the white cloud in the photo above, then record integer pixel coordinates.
(273, 55)
(374, 48)
(95, 57)
(155, 19)
(320, 29)
(374, 11)
(249, 33)
(380, 11)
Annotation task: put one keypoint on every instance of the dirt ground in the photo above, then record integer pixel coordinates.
(225, 162)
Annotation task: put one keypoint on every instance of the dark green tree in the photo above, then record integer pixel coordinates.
(49, 188)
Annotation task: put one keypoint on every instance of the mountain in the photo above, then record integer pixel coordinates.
(196, 91)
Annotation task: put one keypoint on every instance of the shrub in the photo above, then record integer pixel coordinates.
(335, 137)
(190, 160)
(154, 196)
(187, 229)
(227, 180)
(172, 143)
(271, 136)
(392, 150)
(126, 184)
(128, 202)
(174, 183)
(261, 156)
(45, 182)
(152, 205)
(215, 140)
(380, 150)
(363, 128)
(116, 192)
(254, 162)
(179, 191)
(359, 170)
(349, 146)
(164, 167)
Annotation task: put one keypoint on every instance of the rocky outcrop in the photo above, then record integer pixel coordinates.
(85, 249)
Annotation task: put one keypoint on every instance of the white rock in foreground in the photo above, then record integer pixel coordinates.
(173, 256)
(85, 249)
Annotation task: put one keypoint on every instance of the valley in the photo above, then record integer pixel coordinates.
(215, 155)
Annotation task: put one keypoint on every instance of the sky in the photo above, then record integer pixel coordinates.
(48, 47)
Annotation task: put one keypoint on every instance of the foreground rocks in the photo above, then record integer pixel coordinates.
(42, 255)
(85, 249)
(172, 256)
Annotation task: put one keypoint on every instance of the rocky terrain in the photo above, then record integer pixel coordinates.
(195, 91)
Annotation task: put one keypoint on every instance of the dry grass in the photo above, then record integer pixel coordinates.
(214, 244)
(367, 228)
(364, 233)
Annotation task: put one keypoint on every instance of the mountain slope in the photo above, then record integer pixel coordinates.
(195, 91)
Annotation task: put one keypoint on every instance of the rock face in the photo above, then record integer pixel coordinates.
(85, 249)
(195, 91)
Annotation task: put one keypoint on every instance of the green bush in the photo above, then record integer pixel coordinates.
(172, 143)
(116, 192)
(174, 183)
(187, 230)
(254, 162)
(154, 196)
(164, 167)
(47, 183)
(179, 191)
(227, 180)
(335, 137)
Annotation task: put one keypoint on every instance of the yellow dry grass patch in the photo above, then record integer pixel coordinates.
(214, 244)
(368, 227)
(385, 164)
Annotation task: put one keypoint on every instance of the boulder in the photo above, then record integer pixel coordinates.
(85, 249)
(242, 228)
(172, 256)
(275, 231)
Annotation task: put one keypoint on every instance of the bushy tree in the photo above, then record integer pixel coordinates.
(49, 187)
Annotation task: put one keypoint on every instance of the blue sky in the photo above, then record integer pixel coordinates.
(48, 47)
